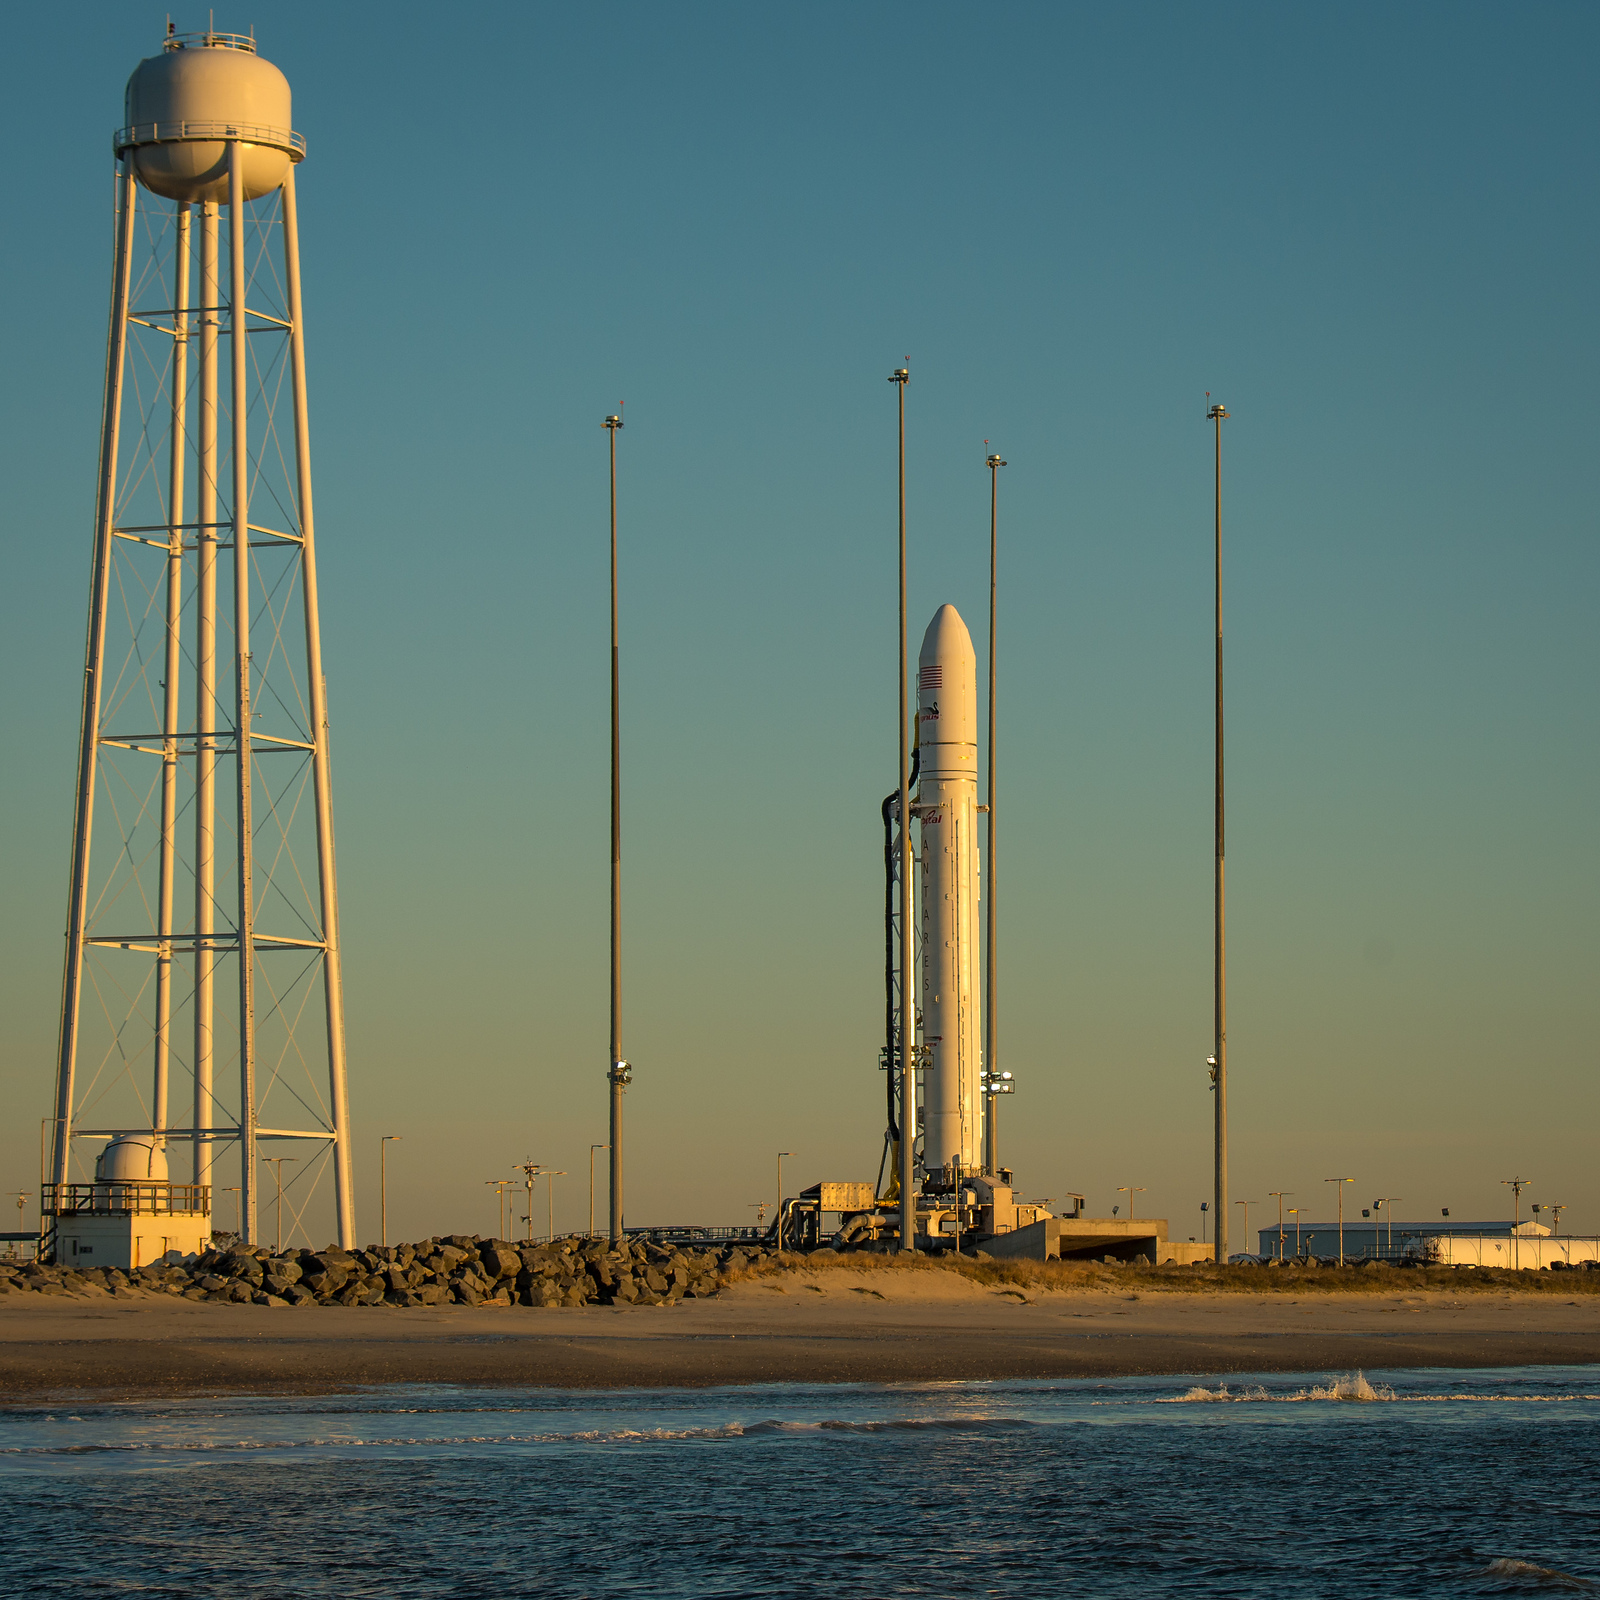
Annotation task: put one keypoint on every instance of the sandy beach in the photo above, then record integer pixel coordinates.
(814, 1327)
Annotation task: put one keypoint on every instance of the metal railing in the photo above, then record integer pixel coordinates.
(212, 41)
(126, 1197)
(178, 132)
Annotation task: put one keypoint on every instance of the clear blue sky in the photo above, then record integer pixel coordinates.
(1370, 230)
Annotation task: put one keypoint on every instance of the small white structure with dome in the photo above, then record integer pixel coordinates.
(132, 1214)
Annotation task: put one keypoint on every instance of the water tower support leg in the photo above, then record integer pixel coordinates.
(327, 880)
(239, 340)
(94, 654)
(174, 668)
(205, 701)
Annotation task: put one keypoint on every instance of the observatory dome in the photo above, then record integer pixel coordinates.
(132, 1156)
(181, 105)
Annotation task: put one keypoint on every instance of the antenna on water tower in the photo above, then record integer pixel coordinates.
(194, 484)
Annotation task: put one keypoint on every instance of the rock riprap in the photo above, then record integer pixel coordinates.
(456, 1269)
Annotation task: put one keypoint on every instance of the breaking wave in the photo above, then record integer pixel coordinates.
(1352, 1386)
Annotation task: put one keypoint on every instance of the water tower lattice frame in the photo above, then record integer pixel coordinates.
(191, 702)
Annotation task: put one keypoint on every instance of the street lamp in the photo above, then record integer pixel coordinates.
(1247, 1204)
(1294, 1211)
(1341, 1182)
(501, 1187)
(1516, 1186)
(236, 1223)
(1279, 1195)
(1130, 1190)
(779, 1213)
(550, 1195)
(530, 1171)
(1555, 1220)
(383, 1185)
(1205, 1206)
(277, 1170)
(592, 1149)
(1378, 1205)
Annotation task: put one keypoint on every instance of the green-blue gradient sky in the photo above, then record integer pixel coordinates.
(1370, 230)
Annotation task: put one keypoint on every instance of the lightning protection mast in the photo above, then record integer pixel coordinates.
(199, 480)
(618, 1074)
(1219, 1059)
(908, 1005)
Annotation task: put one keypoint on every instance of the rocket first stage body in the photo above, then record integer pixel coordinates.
(947, 808)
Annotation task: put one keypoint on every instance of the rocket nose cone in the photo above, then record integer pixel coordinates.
(947, 638)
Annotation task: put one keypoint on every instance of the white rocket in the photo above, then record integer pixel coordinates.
(947, 731)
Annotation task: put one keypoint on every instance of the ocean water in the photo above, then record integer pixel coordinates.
(1326, 1485)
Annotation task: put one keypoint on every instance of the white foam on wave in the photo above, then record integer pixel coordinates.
(1352, 1386)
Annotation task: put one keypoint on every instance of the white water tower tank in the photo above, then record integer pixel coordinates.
(182, 104)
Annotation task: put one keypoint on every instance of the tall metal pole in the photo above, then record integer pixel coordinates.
(94, 656)
(174, 666)
(908, 1005)
(991, 1009)
(1220, 1007)
(321, 758)
(239, 355)
(205, 704)
(618, 1072)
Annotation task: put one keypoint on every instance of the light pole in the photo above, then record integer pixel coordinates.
(501, 1187)
(276, 1163)
(550, 1196)
(1219, 1056)
(779, 1212)
(1130, 1191)
(236, 1210)
(1279, 1194)
(531, 1170)
(1516, 1186)
(1294, 1211)
(383, 1186)
(1388, 1201)
(991, 1010)
(592, 1149)
(900, 377)
(1205, 1206)
(1247, 1204)
(619, 1074)
(1555, 1220)
(1341, 1182)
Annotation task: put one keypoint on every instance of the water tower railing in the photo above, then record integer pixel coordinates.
(210, 41)
(181, 132)
(125, 1197)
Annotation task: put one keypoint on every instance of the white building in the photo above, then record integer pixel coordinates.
(1478, 1244)
(131, 1214)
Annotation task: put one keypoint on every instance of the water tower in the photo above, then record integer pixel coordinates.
(202, 1003)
